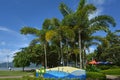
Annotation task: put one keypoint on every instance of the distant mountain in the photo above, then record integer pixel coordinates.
(5, 64)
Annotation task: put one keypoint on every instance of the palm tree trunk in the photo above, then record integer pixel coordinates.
(62, 60)
(80, 56)
(45, 56)
(67, 50)
(84, 57)
(76, 60)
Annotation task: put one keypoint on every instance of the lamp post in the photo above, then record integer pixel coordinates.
(7, 61)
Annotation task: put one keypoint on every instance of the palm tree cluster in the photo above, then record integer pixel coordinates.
(109, 49)
(65, 41)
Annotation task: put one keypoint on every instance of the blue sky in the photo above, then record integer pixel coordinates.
(15, 14)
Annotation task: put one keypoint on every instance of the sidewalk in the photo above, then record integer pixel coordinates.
(113, 77)
(1, 77)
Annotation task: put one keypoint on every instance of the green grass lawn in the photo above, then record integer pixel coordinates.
(12, 79)
(91, 75)
(15, 73)
(111, 71)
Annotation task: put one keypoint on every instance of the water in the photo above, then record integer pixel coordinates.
(16, 69)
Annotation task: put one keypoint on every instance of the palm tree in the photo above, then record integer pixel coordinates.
(63, 34)
(55, 35)
(40, 34)
(82, 25)
(108, 43)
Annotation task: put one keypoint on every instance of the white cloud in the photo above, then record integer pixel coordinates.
(3, 29)
(97, 2)
(98, 12)
(7, 55)
(3, 43)
(14, 33)
(17, 41)
(91, 49)
(6, 29)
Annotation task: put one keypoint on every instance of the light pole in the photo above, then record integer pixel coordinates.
(7, 61)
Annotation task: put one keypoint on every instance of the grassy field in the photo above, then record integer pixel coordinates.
(111, 71)
(7, 74)
(12, 79)
(15, 73)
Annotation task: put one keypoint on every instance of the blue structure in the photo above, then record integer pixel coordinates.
(65, 73)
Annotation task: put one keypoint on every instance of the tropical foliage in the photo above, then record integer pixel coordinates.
(22, 59)
(65, 42)
(109, 49)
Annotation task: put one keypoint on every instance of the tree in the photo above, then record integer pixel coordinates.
(109, 49)
(40, 34)
(83, 26)
(22, 59)
(37, 54)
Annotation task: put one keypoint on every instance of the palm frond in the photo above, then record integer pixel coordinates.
(65, 10)
(103, 18)
(46, 24)
(98, 27)
(117, 30)
(29, 30)
(34, 41)
(50, 34)
(87, 9)
(81, 4)
(55, 23)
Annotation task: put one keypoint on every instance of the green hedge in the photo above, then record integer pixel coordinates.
(105, 67)
(41, 78)
(95, 75)
(92, 68)
(111, 71)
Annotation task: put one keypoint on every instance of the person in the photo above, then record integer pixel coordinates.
(10, 68)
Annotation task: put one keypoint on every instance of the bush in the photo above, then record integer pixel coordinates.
(41, 78)
(33, 78)
(103, 67)
(115, 67)
(92, 68)
(95, 76)
(111, 71)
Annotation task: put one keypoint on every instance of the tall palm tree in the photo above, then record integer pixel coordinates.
(40, 34)
(61, 33)
(55, 35)
(82, 25)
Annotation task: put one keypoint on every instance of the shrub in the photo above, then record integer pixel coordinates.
(95, 76)
(92, 68)
(115, 67)
(111, 71)
(103, 67)
(41, 78)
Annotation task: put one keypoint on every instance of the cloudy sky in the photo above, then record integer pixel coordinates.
(15, 14)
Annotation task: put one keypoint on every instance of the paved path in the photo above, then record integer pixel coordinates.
(112, 77)
(1, 77)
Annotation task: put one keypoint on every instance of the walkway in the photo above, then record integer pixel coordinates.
(112, 77)
(2, 77)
